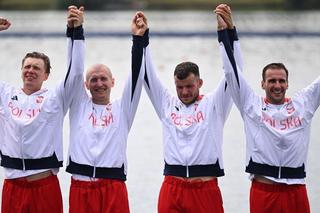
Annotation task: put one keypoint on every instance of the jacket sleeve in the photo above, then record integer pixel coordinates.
(240, 91)
(158, 94)
(222, 93)
(72, 87)
(311, 96)
(133, 87)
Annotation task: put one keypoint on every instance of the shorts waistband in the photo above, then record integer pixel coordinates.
(194, 170)
(23, 182)
(94, 184)
(190, 184)
(278, 187)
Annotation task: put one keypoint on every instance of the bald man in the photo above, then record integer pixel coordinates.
(98, 134)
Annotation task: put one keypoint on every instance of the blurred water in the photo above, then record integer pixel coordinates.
(300, 54)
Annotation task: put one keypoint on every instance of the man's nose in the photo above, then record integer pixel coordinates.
(99, 82)
(30, 70)
(185, 90)
(277, 84)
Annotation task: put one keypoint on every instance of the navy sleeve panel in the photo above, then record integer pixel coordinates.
(69, 32)
(136, 60)
(146, 38)
(68, 72)
(75, 33)
(146, 43)
(224, 38)
(233, 36)
(146, 79)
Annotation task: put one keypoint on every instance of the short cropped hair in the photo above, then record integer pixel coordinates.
(274, 66)
(184, 69)
(39, 55)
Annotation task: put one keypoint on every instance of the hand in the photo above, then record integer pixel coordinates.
(224, 12)
(75, 16)
(221, 24)
(4, 24)
(139, 24)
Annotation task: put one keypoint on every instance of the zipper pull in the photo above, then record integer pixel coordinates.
(187, 171)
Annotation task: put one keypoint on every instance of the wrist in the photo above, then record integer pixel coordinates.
(220, 28)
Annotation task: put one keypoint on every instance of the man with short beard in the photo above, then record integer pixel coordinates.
(192, 136)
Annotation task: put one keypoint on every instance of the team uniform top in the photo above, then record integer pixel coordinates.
(277, 136)
(98, 133)
(31, 125)
(193, 134)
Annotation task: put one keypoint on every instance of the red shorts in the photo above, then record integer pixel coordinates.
(103, 196)
(178, 196)
(44, 195)
(266, 198)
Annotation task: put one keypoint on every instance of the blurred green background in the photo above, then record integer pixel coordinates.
(160, 4)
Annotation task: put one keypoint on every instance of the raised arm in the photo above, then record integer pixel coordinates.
(132, 91)
(225, 22)
(157, 93)
(73, 82)
(232, 59)
(4, 24)
(311, 95)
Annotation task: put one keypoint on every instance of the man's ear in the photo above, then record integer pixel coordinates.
(46, 76)
(86, 84)
(113, 82)
(262, 84)
(200, 81)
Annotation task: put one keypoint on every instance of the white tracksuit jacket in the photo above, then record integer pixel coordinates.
(98, 133)
(31, 125)
(193, 134)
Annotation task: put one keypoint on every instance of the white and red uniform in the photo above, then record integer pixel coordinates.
(98, 141)
(277, 136)
(31, 125)
(192, 134)
(98, 133)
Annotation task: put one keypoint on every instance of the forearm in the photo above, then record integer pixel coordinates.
(75, 51)
(138, 46)
(73, 83)
(236, 84)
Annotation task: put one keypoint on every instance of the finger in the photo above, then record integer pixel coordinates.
(220, 12)
(75, 11)
(220, 6)
(72, 19)
(224, 7)
(229, 9)
(81, 8)
(3, 21)
(223, 13)
(140, 21)
(134, 19)
(72, 7)
(139, 13)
